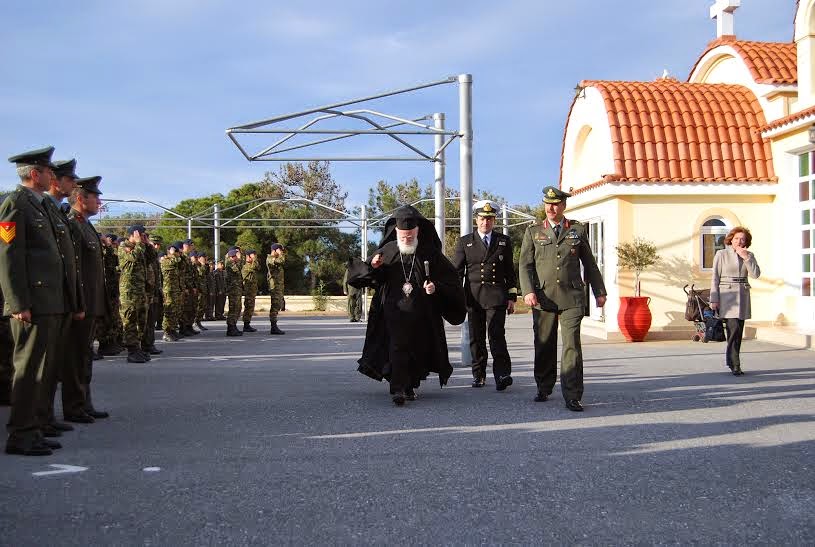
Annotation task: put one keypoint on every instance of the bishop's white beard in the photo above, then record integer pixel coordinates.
(408, 249)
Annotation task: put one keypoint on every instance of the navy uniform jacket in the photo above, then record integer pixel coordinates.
(549, 266)
(489, 274)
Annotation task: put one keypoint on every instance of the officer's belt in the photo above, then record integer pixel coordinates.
(735, 279)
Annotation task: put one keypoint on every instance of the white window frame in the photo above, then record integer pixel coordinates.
(708, 230)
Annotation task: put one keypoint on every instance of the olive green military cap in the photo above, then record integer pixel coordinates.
(65, 168)
(90, 184)
(554, 195)
(40, 157)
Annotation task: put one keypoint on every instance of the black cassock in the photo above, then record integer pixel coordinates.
(405, 339)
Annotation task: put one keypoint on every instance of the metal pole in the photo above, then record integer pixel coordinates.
(364, 242)
(189, 228)
(217, 238)
(505, 219)
(465, 114)
(438, 170)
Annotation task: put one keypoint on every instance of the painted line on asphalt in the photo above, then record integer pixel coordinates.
(60, 469)
(260, 356)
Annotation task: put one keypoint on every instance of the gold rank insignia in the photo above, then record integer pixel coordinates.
(551, 193)
(8, 230)
(488, 208)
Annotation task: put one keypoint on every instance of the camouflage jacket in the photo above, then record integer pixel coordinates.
(249, 272)
(171, 273)
(132, 280)
(234, 281)
(275, 275)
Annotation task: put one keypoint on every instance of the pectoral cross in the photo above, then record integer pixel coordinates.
(723, 11)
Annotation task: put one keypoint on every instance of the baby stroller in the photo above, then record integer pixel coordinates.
(704, 319)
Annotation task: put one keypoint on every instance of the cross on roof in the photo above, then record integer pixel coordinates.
(723, 11)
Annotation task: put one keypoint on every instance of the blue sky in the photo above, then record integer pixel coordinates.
(141, 91)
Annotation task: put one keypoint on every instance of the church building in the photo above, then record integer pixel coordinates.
(682, 162)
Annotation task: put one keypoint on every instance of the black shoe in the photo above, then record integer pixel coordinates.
(479, 382)
(48, 431)
(153, 350)
(248, 328)
(737, 371)
(200, 326)
(541, 398)
(97, 414)
(145, 354)
(82, 418)
(399, 398)
(48, 443)
(134, 356)
(574, 405)
(275, 329)
(110, 349)
(34, 450)
(410, 394)
(503, 382)
(59, 426)
(232, 330)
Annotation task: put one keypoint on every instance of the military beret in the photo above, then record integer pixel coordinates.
(136, 228)
(65, 168)
(485, 208)
(40, 157)
(232, 252)
(202, 254)
(406, 217)
(174, 245)
(554, 195)
(113, 237)
(90, 184)
(276, 246)
(157, 239)
(251, 252)
(188, 242)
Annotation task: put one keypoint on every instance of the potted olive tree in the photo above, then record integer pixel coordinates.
(634, 317)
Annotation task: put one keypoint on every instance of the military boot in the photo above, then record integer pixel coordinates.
(134, 355)
(232, 330)
(110, 349)
(153, 350)
(200, 326)
(248, 328)
(275, 329)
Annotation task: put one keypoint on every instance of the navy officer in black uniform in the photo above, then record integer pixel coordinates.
(484, 260)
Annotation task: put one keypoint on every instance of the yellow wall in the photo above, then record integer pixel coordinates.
(673, 223)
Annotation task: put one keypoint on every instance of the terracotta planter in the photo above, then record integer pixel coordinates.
(634, 317)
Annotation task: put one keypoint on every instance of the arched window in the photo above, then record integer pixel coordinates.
(713, 233)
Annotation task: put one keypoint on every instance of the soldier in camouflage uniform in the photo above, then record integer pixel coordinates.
(234, 291)
(173, 291)
(202, 269)
(250, 273)
(191, 290)
(209, 315)
(132, 288)
(219, 281)
(274, 263)
(158, 295)
(152, 275)
(111, 330)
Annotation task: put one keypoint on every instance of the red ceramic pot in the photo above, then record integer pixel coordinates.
(634, 317)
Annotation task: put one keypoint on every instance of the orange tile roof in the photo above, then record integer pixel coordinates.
(789, 119)
(673, 131)
(768, 62)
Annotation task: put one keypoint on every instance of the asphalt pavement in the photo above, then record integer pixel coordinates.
(277, 440)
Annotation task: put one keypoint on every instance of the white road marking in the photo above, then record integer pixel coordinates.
(151, 469)
(59, 469)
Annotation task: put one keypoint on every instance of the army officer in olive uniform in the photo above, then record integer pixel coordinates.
(484, 260)
(549, 271)
(33, 281)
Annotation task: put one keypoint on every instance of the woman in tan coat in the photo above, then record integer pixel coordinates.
(730, 290)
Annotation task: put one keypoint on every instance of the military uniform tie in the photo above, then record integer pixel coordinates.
(557, 230)
(486, 242)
